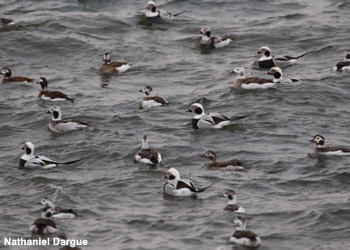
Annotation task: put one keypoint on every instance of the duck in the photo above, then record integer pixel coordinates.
(344, 65)
(151, 101)
(30, 160)
(58, 213)
(7, 73)
(5, 21)
(154, 13)
(225, 165)
(175, 186)
(320, 141)
(51, 95)
(113, 67)
(251, 82)
(232, 202)
(61, 126)
(147, 155)
(268, 61)
(243, 237)
(276, 72)
(213, 41)
(210, 120)
(43, 226)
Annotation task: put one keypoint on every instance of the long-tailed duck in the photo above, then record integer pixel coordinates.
(113, 67)
(6, 72)
(5, 21)
(43, 226)
(31, 160)
(276, 72)
(232, 202)
(344, 65)
(213, 41)
(251, 82)
(226, 165)
(268, 61)
(147, 155)
(179, 187)
(51, 95)
(61, 126)
(210, 120)
(319, 140)
(243, 237)
(58, 213)
(151, 101)
(154, 13)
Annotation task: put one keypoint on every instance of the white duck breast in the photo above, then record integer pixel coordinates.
(154, 13)
(344, 65)
(151, 101)
(243, 237)
(61, 126)
(213, 41)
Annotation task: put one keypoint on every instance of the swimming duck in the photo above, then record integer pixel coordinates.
(151, 101)
(243, 237)
(31, 160)
(113, 67)
(213, 41)
(268, 61)
(6, 72)
(51, 211)
(43, 226)
(232, 202)
(5, 21)
(210, 120)
(153, 13)
(251, 82)
(344, 65)
(226, 165)
(175, 186)
(51, 95)
(147, 155)
(276, 72)
(319, 140)
(61, 126)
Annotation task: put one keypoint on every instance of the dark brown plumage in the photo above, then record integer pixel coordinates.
(110, 67)
(340, 65)
(156, 99)
(41, 223)
(244, 234)
(150, 154)
(231, 207)
(7, 73)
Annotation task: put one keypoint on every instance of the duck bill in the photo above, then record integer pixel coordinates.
(188, 110)
(257, 52)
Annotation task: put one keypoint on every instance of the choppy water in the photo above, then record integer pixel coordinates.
(293, 201)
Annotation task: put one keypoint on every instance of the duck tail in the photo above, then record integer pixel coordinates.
(69, 162)
(177, 14)
(203, 189)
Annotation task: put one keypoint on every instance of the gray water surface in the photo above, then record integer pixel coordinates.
(293, 201)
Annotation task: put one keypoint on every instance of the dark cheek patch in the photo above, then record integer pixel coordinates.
(28, 151)
(321, 143)
(198, 111)
(171, 177)
(277, 75)
(55, 114)
(208, 33)
(267, 53)
(153, 9)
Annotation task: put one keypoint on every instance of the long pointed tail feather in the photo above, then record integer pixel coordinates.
(177, 14)
(70, 162)
(203, 189)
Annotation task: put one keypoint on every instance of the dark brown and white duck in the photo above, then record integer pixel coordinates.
(267, 61)
(344, 65)
(5, 21)
(251, 82)
(203, 120)
(212, 164)
(113, 67)
(232, 202)
(147, 155)
(276, 72)
(213, 41)
(7, 73)
(243, 237)
(29, 160)
(51, 211)
(154, 13)
(51, 95)
(175, 186)
(61, 126)
(43, 226)
(151, 101)
(320, 141)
